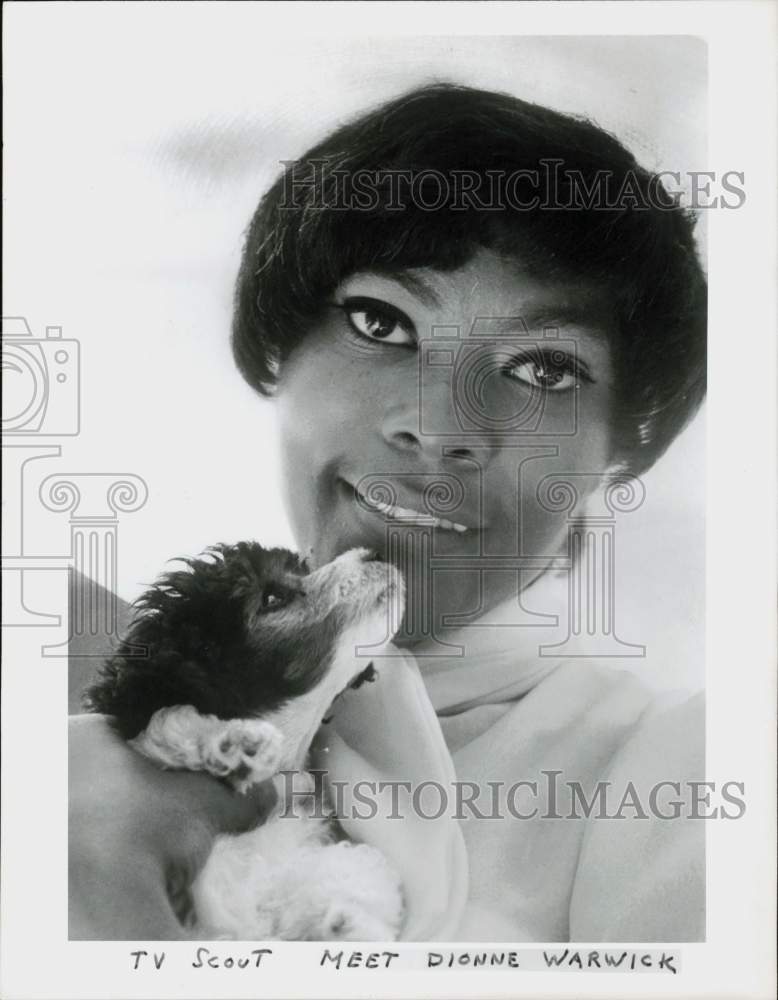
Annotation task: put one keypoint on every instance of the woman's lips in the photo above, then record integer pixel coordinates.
(406, 515)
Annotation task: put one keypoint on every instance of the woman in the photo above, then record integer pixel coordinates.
(465, 292)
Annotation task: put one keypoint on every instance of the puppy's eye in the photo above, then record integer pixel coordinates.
(272, 600)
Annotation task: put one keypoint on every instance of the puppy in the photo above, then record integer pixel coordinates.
(246, 653)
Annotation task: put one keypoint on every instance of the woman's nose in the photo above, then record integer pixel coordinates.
(427, 427)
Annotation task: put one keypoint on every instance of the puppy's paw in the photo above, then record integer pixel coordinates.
(244, 751)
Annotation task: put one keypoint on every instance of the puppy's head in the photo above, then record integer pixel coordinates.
(243, 631)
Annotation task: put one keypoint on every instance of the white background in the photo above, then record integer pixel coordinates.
(137, 142)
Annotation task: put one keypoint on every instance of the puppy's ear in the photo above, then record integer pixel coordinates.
(112, 694)
(131, 688)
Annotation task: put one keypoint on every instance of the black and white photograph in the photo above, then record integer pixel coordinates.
(388, 537)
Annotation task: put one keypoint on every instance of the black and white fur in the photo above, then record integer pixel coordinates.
(246, 653)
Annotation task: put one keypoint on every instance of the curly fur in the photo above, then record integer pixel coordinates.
(292, 880)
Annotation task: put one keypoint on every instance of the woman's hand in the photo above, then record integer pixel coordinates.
(139, 835)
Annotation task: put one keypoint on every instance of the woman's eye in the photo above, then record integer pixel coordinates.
(377, 322)
(553, 373)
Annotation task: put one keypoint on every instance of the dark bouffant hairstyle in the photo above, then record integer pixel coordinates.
(621, 230)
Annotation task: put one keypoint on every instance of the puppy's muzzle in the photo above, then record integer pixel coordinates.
(358, 583)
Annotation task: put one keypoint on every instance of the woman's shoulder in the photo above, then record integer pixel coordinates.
(641, 871)
(600, 689)
(587, 714)
(595, 699)
(670, 734)
(601, 757)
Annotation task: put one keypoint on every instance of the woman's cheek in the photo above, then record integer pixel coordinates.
(552, 491)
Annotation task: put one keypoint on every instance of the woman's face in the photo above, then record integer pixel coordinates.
(482, 380)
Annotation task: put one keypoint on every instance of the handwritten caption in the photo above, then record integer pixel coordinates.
(415, 959)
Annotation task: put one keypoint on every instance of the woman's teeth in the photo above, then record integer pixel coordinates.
(408, 515)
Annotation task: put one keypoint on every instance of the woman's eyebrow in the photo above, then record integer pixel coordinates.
(585, 315)
(547, 317)
(412, 283)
